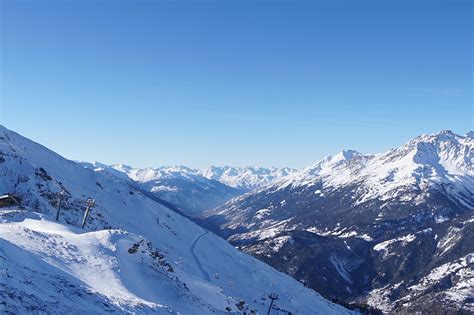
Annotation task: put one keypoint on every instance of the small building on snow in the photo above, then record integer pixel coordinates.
(9, 200)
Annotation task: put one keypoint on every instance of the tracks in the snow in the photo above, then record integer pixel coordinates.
(196, 258)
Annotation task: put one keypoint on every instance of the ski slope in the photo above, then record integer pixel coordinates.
(134, 255)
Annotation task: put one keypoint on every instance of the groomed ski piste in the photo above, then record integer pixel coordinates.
(51, 267)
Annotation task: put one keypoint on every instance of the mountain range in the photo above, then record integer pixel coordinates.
(391, 230)
(195, 190)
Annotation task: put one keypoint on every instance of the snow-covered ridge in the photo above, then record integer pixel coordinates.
(441, 158)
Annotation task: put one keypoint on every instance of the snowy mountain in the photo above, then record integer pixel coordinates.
(245, 178)
(426, 161)
(135, 255)
(181, 186)
(393, 230)
(193, 191)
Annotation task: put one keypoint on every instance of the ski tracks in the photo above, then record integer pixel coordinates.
(196, 258)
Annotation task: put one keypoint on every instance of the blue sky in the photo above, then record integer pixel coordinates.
(279, 83)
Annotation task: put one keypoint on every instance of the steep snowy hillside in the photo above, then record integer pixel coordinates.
(354, 223)
(134, 255)
(178, 185)
(245, 178)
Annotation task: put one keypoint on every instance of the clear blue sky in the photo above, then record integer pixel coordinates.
(233, 82)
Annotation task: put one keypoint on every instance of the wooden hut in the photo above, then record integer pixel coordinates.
(10, 200)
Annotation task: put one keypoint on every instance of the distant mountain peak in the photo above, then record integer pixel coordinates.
(245, 177)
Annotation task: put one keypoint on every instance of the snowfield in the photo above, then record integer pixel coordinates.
(135, 255)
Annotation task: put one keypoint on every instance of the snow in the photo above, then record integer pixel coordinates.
(461, 272)
(442, 158)
(96, 258)
(380, 298)
(319, 193)
(277, 243)
(247, 177)
(441, 219)
(364, 236)
(406, 176)
(384, 246)
(182, 186)
(341, 268)
(244, 178)
(260, 214)
(194, 191)
(268, 230)
(313, 229)
(134, 255)
(341, 233)
(196, 257)
(449, 240)
(344, 266)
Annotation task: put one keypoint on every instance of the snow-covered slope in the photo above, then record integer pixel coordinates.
(134, 255)
(245, 178)
(367, 222)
